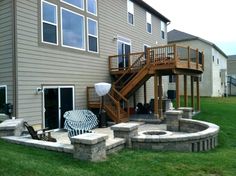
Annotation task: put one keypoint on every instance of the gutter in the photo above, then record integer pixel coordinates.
(14, 59)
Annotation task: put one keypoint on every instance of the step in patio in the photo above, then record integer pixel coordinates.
(114, 145)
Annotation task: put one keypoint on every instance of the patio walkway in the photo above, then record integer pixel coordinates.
(62, 136)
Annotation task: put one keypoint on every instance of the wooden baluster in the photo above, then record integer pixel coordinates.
(188, 57)
(203, 61)
(175, 54)
(197, 59)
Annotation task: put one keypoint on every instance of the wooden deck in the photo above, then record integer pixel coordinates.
(167, 60)
(139, 67)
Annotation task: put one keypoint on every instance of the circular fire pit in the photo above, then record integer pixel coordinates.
(155, 132)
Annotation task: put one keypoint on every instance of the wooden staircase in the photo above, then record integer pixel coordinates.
(164, 60)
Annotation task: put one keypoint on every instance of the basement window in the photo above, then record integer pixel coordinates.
(3, 98)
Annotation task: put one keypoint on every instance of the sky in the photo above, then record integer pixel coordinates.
(212, 20)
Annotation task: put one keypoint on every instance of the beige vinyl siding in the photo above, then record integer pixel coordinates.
(113, 22)
(42, 64)
(6, 47)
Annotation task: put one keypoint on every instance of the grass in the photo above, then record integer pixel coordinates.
(21, 160)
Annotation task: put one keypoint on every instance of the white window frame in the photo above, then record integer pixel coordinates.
(92, 35)
(5, 86)
(73, 4)
(42, 21)
(148, 22)
(59, 103)
(130, 9)
(67, 46)
(163, 28)
(96, 3)
(124, 40)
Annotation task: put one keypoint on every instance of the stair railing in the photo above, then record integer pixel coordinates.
(137, 64)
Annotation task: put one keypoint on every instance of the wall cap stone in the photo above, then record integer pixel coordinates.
(89, 138)
(11, 124)
(190, 109)
(125, 127)
(174, 112)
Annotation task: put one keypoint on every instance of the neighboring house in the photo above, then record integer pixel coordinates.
(213, 82)
(51, 50)
(231, 69)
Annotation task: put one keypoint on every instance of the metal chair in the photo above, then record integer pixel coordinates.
(79, 121)
(39, 135)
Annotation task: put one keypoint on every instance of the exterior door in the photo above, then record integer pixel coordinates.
(124, 49)
(57, 100)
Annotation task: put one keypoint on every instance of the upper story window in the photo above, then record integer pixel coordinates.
(72, 27)
(130, 7)
(149, 22)
(3, 98)
(163, 30)
(92, 35)
(218, 61)
(49, 22)
(92, 6)
(76, 3)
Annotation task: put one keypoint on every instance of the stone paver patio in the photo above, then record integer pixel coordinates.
(62, 136)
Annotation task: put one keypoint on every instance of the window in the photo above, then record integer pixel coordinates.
(218, 61)
(149, 22)
(76, 3)
(172, 79)
(72, 29)
(49, 22)
(163, 29)
(92, 35)
(92, 6)
(130, 6)
(3, 98)
(213, 58)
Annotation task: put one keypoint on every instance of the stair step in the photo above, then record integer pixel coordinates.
(114, 145)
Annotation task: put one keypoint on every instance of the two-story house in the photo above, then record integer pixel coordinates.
(231, 69)
(213, 82)
(51, 50)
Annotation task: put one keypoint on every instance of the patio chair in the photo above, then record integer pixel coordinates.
(39, 135)
(79, 121)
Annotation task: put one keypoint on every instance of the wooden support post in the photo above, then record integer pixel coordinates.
(203, 63)
(145, 93)
(155, 95)
(192, 92)
(177, 92)
(188, 57)
(198, 95)
(134, 99)
(185, 91)
(160, 111)
(197, 58)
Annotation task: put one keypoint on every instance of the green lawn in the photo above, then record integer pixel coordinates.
(19, 160)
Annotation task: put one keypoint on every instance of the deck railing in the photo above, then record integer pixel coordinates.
(113, 101)
(124, 62)
(169, 54)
